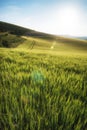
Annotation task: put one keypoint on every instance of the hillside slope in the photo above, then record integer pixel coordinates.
(21, 31)
(38, 40)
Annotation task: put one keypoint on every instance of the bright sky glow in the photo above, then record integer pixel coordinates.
(61, 17)
(68, 19)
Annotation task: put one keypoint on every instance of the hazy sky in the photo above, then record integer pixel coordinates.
(61, 17)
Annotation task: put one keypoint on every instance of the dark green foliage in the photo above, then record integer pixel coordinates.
(5, 43)
(13, 29)
(8, 40)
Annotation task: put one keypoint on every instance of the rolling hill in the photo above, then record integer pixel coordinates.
(16, 36)
(21, 31)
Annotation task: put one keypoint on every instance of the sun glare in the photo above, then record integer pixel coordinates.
(68, 19)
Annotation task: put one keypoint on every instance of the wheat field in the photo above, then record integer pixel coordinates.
(42, 91)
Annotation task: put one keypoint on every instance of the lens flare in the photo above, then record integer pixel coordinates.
(53, 45)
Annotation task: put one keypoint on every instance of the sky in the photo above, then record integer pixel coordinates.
(60, 17)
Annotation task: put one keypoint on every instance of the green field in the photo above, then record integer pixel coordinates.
(43, 83)
(43, 91)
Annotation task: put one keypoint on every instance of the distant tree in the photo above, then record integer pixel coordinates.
(5, 43)
(6, 34)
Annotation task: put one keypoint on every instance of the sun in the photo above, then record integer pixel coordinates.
(68, 19)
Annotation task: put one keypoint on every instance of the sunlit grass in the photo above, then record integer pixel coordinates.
(43, 90)
(59, 44)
